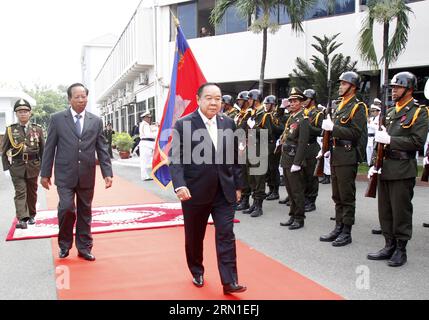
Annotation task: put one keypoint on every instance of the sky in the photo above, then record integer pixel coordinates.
(41, 40)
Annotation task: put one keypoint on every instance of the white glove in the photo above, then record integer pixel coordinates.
(425, 160)
(278, 142)
(372, 170)
(236, 118)
(295, 168)
(382, 136)
(326, 155)
(327, 124)
(7, 174)
(251, 123)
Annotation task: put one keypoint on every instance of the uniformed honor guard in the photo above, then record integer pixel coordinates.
(228, 108)
(294, 146)
(404, 135)
(349, 133)
(315, 118)
(22, 151)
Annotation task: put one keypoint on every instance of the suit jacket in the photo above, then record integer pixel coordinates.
(74, 156)
(202, 179)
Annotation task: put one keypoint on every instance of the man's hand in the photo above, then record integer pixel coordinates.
(45, 182)
(372, 170)
(326, 155)
(295, 168)
(108, 181)
(327, 124)
(382, 136)
(183, 194)
(238, 195)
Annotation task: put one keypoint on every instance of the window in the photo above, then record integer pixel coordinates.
(141, 107)
(151, 108)
(131, 116)
(344, 6)
(123, 122)
(204, 10)
(116, 120)
(187, 15)
(232, 22)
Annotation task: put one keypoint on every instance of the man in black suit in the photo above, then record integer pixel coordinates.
(74, 136)
(208, 182)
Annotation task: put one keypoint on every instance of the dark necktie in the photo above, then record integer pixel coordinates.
(77, 123)
(23, 129)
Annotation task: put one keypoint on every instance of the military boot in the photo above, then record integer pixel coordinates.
(244, 204)
(344, 238)
(284, 201)
(258, 209)
(386, 252)
(274, 195)
(326, 179)
(269, 192)
(287, 223)
(399, 257)
(333, 234)
(310, 206)
(251, 208)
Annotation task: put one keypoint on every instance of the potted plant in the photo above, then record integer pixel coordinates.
(123, 143)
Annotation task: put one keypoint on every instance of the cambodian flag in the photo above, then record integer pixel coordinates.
(186, 78)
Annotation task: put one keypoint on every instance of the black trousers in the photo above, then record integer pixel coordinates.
(195, 219)
(69, 212)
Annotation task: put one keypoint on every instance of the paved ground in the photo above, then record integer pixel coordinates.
(26, 268)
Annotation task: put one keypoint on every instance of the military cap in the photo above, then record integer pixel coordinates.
(296, 93)
(145, 114)
(350, 77)
(227, 99)
(375, 107)
(22, 104)
(404, 79)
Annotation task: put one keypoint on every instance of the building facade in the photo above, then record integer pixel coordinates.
(136, 75)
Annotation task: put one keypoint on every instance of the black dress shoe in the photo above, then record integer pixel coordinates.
(86, 256)
(198, 281)
(63, 253)
(31, 221)
(376, 231)
(233, 288)
(296, 225)
(21, 225)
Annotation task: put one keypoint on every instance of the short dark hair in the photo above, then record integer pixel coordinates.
(77, 84)
(201, 88)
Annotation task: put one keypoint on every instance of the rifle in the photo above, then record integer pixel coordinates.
(371, 189)
(326, 141)
(425, 174)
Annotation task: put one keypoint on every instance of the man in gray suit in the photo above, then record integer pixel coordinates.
(74, 136)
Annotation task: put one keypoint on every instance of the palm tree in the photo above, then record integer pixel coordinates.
(315, 75)
(295, 9)
(384, 12)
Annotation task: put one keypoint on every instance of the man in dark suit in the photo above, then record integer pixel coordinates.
(74, 136)
(208, 185)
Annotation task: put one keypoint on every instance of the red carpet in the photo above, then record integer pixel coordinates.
(150, 264)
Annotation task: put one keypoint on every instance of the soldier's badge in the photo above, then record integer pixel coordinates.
(403, 118)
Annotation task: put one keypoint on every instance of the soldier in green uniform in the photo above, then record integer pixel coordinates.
(349, 133)
(404, 135)
(228, 106)
(256, 171)
(240, 120)
(22, 151)
(108, 134)
(315, 118)
(294, 147)
(268, 122)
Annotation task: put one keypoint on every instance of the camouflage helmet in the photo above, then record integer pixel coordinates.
(310, 94)
(227, 99)
(404, 79)
(350, 77)
(270, 99)
(255, 94)
(243, 95)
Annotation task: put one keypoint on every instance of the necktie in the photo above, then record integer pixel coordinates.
(212, 131)
(23, 129)
(77, 123)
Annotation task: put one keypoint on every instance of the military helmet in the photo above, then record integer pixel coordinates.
(255, 94)
(243, 95)
(270, 99)
(310, 94)
(350, 77)
(22, 104)
(296, 93)
(227, 99)
(404, 79)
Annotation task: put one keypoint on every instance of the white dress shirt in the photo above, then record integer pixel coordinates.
(211, 125)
